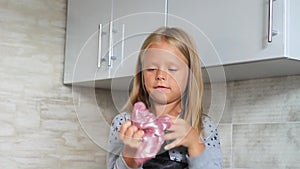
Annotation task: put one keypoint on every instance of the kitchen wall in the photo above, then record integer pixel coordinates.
(261, 124)
(39, 128)
(44, 124)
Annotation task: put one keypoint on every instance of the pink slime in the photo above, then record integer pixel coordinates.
(153, 127)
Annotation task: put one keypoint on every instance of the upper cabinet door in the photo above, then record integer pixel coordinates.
(133, 21)
(86, 36)
(231, 31)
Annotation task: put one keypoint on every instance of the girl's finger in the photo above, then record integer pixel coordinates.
(138, 137)
(173, 144)
(139, 134)
(174, 127)
(171, 136)
(124, 128)
(130, 131)
(132, 137)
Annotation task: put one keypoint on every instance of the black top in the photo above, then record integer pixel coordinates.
(163, 161)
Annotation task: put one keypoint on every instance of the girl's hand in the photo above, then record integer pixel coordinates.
(184, 134)
(131, 137)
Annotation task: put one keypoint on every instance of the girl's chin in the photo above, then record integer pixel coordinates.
(159, 98)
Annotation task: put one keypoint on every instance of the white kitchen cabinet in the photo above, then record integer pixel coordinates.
(103, 38)
(84, 19)
(133, 21)
(233, 34)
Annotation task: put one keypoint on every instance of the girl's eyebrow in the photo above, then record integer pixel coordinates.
(170, 62)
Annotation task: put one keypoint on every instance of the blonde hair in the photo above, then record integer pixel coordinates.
(192, 99)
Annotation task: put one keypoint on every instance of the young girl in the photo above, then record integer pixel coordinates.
(169, 81)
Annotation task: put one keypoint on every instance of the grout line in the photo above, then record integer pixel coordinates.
(260, 123)
(231, 146)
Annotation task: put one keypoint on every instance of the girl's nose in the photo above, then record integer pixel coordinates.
(160, 75)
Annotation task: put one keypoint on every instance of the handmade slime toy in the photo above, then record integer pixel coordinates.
(153, 127)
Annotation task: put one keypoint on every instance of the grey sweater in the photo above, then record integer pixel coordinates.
(210, 158)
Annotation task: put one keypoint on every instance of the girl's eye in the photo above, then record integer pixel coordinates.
(172, 69)
(150, 69)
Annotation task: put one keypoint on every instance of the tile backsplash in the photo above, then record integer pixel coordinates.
(45, 124)
(260, 126)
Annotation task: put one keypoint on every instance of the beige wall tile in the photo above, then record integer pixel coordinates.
(266, 145)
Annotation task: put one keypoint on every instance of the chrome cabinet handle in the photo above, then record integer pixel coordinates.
(99, 46)
(166, 12)
(270, 22)
(123, 42)
(111, 50)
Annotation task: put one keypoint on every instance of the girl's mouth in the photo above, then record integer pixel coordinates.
(161, 87)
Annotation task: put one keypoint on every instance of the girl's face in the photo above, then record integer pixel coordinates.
(165, 73)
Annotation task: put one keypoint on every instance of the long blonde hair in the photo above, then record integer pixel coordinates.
(192, 98)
